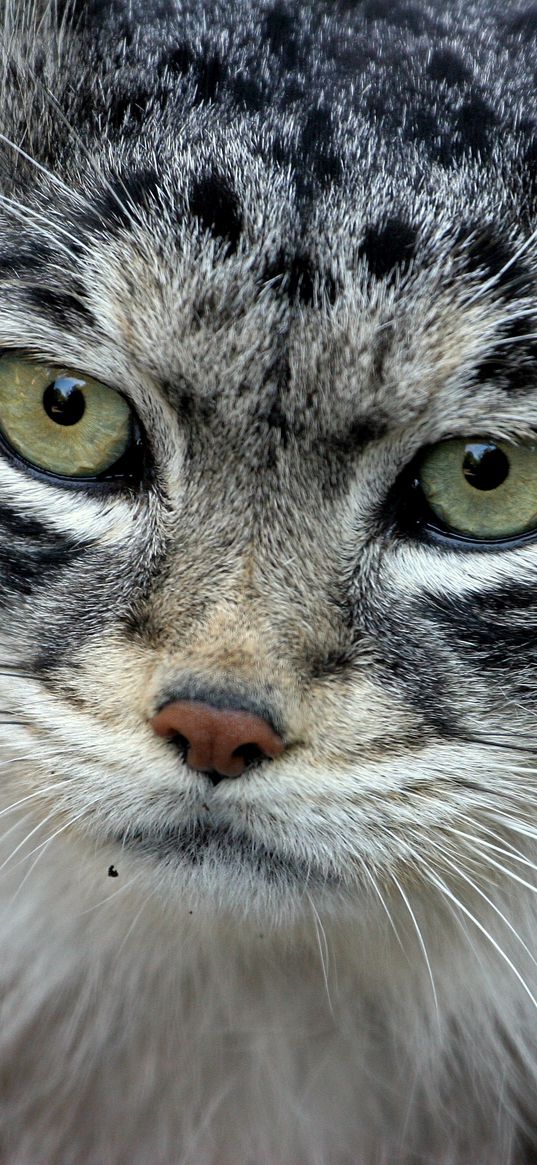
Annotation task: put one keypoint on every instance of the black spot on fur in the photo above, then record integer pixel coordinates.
(281, 151)
(422, 126)
(88, 13)
(486, 251)
(119, 201)
(317, 156)
(527, 1151)
(249, 94)
(389, 247)
(58, 306)
(513, 368)
(139, 189)
(129, 107)
(524, 23)
(474, 123)
(298, 276)
(178, 59)
(280, 35)
(317, 131)
(302, 280)
(29, 262)
(217, 208)
(446, 65)
(407, 16)
(210, 73)
(294, 89)
(277, 421)
(528, 175)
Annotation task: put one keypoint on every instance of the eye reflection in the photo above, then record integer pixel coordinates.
(63, 400)
(62, 422)
(485, 466)
(481, 488)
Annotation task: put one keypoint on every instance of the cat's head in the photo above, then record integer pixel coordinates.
(268, 464)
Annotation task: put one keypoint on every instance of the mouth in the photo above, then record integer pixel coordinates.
(207, 845)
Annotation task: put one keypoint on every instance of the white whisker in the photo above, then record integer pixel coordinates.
(323, 948)
(72, 193)
(478, 890)
(419, 934)
(446, 892)
(23, 212)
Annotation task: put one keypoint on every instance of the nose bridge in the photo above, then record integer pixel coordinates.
(259, 616)
(226, 698)
(233, 688)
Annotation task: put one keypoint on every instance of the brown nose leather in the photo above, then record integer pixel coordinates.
(220, 740)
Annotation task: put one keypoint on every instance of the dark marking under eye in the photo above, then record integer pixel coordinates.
(30, 552)
(388, 247)
(17, 525)
(419, 666)
(491, 631)
(24, 571)
(216, 207)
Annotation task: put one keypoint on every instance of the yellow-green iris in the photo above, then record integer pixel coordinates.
(60, 421)
(482, 488)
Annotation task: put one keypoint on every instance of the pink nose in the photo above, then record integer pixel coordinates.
(220, 740)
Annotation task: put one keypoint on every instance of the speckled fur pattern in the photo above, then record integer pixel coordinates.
(299, 238)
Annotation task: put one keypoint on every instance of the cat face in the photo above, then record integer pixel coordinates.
(271, 531)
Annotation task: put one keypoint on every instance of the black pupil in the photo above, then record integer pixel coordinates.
(63, 400)
(485, 466)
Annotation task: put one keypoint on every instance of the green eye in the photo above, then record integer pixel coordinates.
(482, 488)
(62, 422)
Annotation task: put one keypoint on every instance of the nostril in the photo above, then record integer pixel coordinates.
(182, 745)
(249, 753)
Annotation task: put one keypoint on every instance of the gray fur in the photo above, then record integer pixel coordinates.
(299, 239)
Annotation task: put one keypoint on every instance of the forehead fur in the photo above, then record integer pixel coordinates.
(230, 233)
